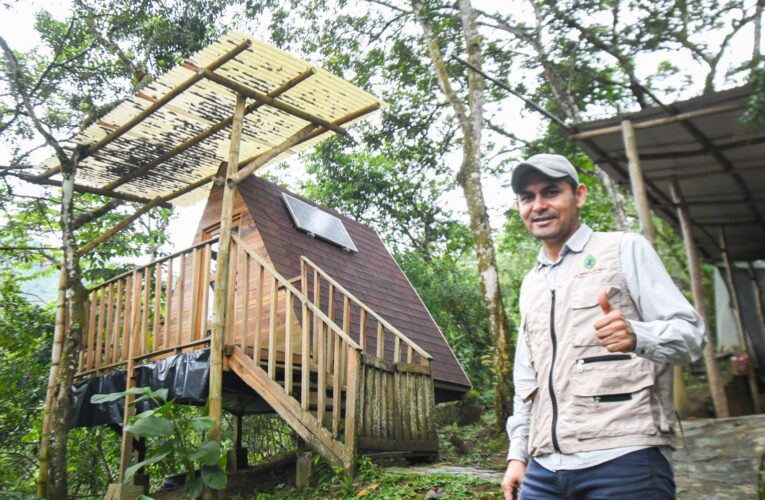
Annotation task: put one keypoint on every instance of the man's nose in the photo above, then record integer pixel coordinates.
(539, 204)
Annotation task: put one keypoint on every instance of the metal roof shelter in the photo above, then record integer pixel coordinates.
(699, 167)
(715, 162)
(167, 141)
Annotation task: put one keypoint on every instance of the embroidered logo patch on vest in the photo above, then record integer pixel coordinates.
(589, 262)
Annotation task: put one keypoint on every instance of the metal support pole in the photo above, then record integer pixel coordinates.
(222, 275)
(646, 228)
(716, 388)
(740, 322)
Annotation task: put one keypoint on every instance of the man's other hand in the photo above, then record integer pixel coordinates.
(516, 471)
(613, 330)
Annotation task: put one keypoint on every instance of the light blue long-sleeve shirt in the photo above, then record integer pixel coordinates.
(671, 331)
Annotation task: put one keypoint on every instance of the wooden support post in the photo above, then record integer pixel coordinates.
(757, 290)
(740, 322)
(636, 180)
(132, 320)
(221, 276)
(353, 396)
(682, 404)
(716, 388)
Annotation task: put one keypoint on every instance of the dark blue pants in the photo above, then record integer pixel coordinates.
(642, 474)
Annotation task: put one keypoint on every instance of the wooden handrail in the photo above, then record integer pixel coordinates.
(297, 293)
(154, 262)
(389, 327)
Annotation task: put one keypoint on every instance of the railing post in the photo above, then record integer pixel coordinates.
(352, 404)
(221, 275)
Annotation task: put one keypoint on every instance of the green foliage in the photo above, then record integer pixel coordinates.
(26, 333)
(169, 427)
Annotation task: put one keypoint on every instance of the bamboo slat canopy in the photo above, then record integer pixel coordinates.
(169, 139)
(715, 161)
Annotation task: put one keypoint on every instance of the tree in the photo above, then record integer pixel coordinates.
(47, 99)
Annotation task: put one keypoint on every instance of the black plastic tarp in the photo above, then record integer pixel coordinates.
(185, 376)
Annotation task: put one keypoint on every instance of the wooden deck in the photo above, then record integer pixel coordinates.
(339, 374)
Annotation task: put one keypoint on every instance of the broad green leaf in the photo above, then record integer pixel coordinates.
(208, 453)
(201, 423)
(214, 476)
(130, 471)
(195, 487)
(150, 427)
(106, 398)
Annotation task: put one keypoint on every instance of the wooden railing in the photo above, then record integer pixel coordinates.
(283, 332)
(285, 342)
(155, 310)
(359, 320)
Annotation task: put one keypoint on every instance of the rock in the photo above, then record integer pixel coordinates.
(448, 413)
(461, 446)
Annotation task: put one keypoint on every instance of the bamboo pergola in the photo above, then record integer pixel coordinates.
(238, 101)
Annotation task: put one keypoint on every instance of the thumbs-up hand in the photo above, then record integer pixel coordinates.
(613, 330)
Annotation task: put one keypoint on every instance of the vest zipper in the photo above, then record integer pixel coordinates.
(598, 359)
(550, 382)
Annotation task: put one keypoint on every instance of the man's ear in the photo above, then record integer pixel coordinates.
(581, 195)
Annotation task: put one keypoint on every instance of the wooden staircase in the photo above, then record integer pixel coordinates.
(344, 378)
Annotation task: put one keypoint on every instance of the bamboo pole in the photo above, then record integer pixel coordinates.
(716, 388)
(221, 276)
(682, 405)
(58, 344)
(742, 337)
(244, 90)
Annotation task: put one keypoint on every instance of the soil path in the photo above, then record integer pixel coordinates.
(719, 459)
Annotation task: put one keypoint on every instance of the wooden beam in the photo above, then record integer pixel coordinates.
(716, 387)
(215, 400)
(265, 99)
(189, 82)
(156, 202)
(250, 165)
(88, 189)
(656, 122)
(638, 185)
(710, 173)
(250, 108)
(742, 337)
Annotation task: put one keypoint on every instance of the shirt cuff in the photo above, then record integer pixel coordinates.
(645, 340)
(518, 451)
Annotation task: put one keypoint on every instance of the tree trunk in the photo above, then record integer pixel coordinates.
(74, 318)
(469, 178)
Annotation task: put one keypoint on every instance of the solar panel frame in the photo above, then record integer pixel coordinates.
(318, 223)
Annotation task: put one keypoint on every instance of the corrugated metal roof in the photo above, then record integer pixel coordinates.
(260, 67)
(719, 168)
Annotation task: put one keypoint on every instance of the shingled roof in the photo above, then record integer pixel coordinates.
(371, 274)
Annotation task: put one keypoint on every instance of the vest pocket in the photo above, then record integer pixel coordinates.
(609, 403)
(585, 311)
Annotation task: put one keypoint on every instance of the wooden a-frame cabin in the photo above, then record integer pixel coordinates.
(304, 309)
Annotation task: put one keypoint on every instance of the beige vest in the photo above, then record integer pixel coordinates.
(587, 398)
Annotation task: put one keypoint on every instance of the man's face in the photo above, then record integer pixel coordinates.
(550, 207)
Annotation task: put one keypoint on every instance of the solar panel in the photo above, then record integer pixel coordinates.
(318, 223)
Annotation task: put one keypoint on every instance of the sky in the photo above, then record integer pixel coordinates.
(16, 25)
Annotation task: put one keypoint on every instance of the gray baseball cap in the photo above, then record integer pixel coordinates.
(555, 166)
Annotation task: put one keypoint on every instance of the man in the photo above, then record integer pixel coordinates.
(601, 324)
